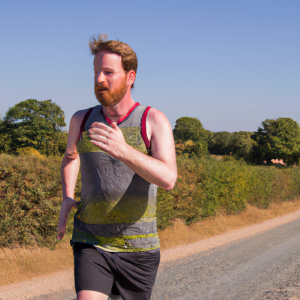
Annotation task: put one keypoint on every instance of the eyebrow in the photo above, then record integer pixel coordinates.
(106, 68)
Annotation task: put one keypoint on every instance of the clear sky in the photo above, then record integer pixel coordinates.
(230, 63)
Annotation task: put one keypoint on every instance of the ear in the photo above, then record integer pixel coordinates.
(131, 77)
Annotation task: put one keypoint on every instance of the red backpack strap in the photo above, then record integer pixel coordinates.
(144, 128)
(83, 122)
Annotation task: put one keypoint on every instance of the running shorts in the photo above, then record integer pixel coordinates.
(129, 274)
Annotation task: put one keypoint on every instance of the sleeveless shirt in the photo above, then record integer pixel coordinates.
(117, 212)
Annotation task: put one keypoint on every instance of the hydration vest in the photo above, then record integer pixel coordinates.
(117, 212)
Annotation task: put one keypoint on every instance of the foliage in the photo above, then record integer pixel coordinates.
(35, 124)
(206, 187)
(219, 143)
(277, 138)
(241, 144)
(191, 149)
(31, 194)
(190, 129)
(30, 200)
(29, 152)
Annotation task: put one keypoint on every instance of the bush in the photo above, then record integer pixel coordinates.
(207, 186)
(29, 152)
(31, 194)
(30, 200)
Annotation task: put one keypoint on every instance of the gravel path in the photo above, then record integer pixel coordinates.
(265, 266)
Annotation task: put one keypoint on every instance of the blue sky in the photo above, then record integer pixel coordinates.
(232, 64)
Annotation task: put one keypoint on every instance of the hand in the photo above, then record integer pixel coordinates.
(66, 208)
(109, 139)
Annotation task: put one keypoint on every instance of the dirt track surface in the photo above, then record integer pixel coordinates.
(257, 262)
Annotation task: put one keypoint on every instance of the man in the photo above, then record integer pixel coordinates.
(126, 150)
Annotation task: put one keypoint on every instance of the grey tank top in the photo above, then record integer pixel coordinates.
(118, 207)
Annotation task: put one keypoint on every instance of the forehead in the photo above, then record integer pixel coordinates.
(108, 59)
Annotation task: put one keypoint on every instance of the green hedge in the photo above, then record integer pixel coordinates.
(31, 194)
(207, 186)
(30, 200)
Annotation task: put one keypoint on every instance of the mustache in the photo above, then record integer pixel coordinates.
(101, 87)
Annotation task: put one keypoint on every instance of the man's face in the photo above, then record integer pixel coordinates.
(110, 78)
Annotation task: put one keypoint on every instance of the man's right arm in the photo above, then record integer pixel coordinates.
(69, 172)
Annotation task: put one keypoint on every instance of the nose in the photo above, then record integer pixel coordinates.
(100, 77)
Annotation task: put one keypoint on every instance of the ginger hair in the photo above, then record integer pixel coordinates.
(101, 43)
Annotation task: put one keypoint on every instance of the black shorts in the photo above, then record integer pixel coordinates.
(131, 275)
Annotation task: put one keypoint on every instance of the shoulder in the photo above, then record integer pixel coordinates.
(157, 118)
(73, 135)
(79, 115)
(77, 118)
(157, 124)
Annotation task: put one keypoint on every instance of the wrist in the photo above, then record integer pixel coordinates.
(125, 154)
(66, 198)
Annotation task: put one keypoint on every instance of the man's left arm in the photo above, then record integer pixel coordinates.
(160, 169)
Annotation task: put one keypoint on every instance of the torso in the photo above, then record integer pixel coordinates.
(118, 207)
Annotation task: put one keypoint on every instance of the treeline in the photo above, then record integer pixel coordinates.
(33, 124)
(274, 139)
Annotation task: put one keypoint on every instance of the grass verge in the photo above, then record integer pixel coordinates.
(22, 263)
(181, 234)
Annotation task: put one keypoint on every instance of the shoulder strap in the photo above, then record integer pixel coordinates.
(83, 122)
(144, 128)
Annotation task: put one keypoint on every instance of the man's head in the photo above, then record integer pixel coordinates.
(115, 66)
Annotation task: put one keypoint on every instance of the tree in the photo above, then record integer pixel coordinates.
(241, 144)
(218, 144)
(277, 138)
(36, 124)
(191, 129)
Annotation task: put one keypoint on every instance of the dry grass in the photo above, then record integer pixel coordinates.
(181, 234)
(22, 264)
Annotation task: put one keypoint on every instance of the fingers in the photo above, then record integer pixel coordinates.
(103, 129)
(114, 125)
(99, 138)
(99, 131)
(101, 145)
(101, 125)
(109, 139)
(60, 235)
(116, 128)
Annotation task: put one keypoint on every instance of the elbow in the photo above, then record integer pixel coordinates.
(169, 185)
(71, 154)
(169, 188)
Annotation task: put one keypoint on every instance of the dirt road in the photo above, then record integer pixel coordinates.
(257, 262)
(265, 266)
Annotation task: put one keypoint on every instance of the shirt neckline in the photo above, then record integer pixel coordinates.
(109, 121)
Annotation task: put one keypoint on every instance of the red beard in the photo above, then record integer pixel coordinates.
(110, 98)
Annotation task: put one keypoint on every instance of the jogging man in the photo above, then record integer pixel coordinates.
(125, 150)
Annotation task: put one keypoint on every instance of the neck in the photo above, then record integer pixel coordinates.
(119, 110)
